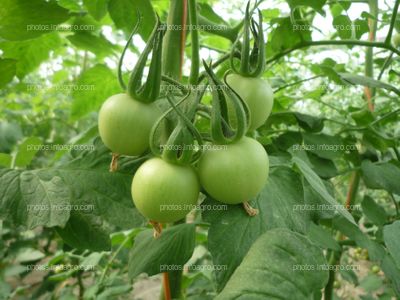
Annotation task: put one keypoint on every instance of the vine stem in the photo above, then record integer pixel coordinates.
(388, 39)
(166, 288)
(305, 44)
(183, 36)
(110, 261)
(195, 59)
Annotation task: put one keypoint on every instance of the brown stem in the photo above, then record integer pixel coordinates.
(157, 229)
(114, 162)
(166, 287)
(250, 210)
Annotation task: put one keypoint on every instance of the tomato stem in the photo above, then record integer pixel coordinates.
(157, 229)
(249, 209)
(114, 162)
(195, 61)
(166, 287)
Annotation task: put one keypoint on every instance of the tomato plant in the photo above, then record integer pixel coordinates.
(193, 149)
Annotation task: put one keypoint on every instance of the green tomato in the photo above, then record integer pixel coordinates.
(165, 192)
(257, 94)
(396, 40)
(125, 124)
(236, 172)
(375, 269)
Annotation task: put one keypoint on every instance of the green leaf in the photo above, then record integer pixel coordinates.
(27, 151)
(286, 35)
(309, 123)
(168, 252)
(98, 45)
(384, 176)
(323, 145)
(27, 198)
(361, 27)
(270, 13)
(8, 69)
(123, 13)
(322, 237)
(231, 229)
(5, 160)
(371, 283)
(315, 4)
(349, 275)
(97, 8)
(374, 212)
(324, 168)
(366, 81)
(21, 19)
(10, 133)
(30, 54)
(81, 196)
(71, 5)
(391, 237)
(277, 267)
(343, 26)
(98, 83)
(28, 254)
(207, 11)
(317, 184)
(375, 251)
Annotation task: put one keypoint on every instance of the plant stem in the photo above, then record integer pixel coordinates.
(369, 54)
(352, 191)
(305, 44)
(195, 62)
(172, 48)
(110, 261)
(392, 22)
(296, 83)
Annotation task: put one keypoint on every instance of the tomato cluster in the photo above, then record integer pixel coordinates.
(233, 169)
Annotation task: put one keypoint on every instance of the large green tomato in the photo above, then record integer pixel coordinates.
(236, 172)
(125, 124)
(165, 192)
(258, 95)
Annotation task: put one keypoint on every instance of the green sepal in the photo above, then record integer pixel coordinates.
(222, 132)
(252, 61)
(150, 90)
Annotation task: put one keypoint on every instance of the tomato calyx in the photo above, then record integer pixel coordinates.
(180, 147)
(157, 228)
(252, 61)
(222, 131)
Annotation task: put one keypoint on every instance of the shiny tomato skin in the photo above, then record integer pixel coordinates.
(258, 95)
(165, 192)
(125, 124)
(236, 172)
